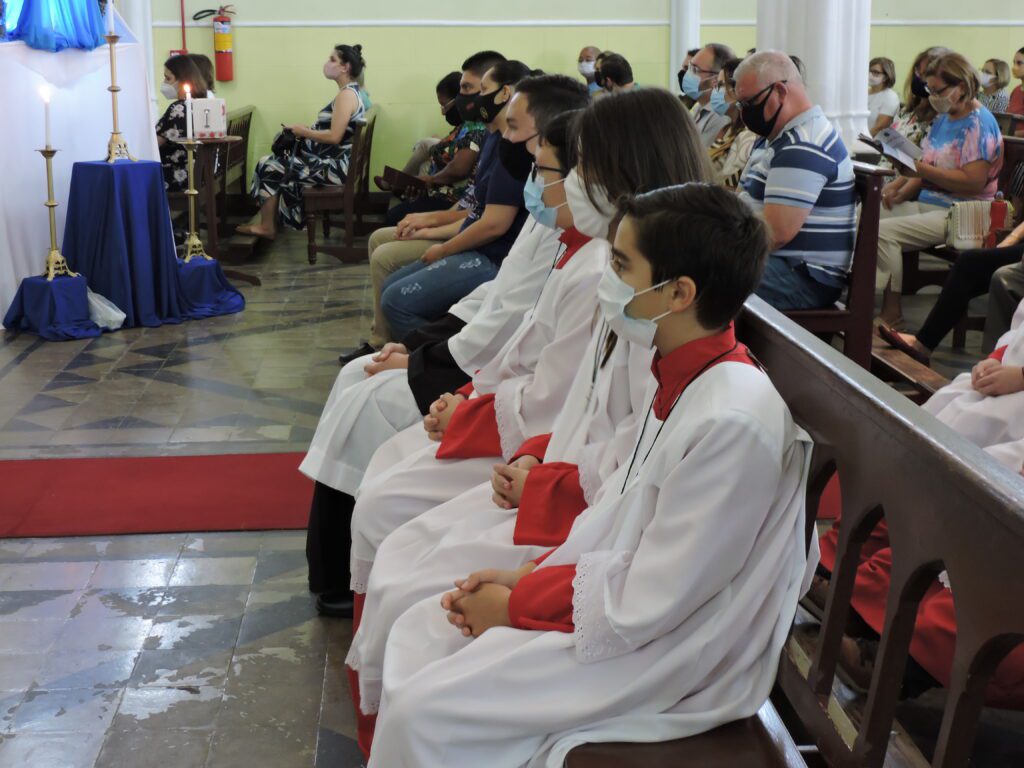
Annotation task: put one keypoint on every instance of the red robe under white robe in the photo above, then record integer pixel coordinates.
(517, 395)
(679, 587)
(592, 436)
(996, 425)
(362, 411)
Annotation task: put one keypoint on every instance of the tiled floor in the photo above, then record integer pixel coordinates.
(171, 650)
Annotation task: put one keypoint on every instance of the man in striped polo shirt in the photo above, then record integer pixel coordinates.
(800, 179)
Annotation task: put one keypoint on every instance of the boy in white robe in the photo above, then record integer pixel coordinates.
(375, 398)
(664, 612)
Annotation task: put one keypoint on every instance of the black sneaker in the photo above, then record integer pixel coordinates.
(354, 354)
(336, 605)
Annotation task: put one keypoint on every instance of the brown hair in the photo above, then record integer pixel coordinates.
(639, 141)
(887, 67)
(205, 68)
(184, 69)
(912, 100)
(1002, 72)
(954, 69)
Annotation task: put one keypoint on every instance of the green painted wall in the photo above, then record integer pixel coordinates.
(277, 68)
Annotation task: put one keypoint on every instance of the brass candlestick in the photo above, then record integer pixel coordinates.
(117, 147)
(55, 262)
(193, 245)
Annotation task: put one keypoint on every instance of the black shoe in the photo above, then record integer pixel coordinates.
(336, 605)
(354, 354)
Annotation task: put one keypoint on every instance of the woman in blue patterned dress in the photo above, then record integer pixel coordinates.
(321, 154)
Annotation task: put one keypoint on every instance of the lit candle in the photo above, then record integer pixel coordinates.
(188, 111)
(110, 17)
(44, 93)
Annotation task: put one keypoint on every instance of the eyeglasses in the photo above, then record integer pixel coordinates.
(538, 168)
(707, 72)
(756, 98)
(941, 90)
(446, 107)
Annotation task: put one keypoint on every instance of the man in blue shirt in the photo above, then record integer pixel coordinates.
(587, 66)
(800, 179)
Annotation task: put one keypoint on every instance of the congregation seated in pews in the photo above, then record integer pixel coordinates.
(567, 488)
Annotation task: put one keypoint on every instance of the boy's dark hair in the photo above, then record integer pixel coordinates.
(353, 56)
(706, 233)
(508, 72)
(481, 61)
(448, 86)
(185, 70)
(720, 54)
(615, 68)
(550, 95)
(557, 134)
(641, 140)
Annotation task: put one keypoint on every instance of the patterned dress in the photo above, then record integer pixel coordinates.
(313, 164)
(173, 156)
(469, 135)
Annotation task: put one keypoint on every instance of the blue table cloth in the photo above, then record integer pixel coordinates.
(207, 292)
(118, 234)
(56, 309)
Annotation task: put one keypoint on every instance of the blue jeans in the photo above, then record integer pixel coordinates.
(420, 293)
(786, 285)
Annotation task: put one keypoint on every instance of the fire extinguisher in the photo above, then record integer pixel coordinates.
(223, 42)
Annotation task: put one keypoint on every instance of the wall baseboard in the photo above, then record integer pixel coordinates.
(572, 23)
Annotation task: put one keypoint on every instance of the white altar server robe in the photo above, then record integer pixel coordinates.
(686, 585)
(362, 411)
(596, 431)
(530, 378)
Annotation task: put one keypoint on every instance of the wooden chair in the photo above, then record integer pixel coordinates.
(236, 159)
(351, 199)
(1008, 122)
(854, 319)
(915, 278)
(948, 506)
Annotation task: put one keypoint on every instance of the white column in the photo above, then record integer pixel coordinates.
(684, 32)
(832, 38)
(138, 15)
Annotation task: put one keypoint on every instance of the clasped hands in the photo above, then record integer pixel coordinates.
(990, 377)
(391, 356)
(480, 601)
(440, 415)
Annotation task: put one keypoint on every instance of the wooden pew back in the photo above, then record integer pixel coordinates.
(948, 506)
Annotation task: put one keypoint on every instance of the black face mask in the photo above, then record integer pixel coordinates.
(515, 158)
(753, 115)
(919, 87)
(465, 106)
(452, 116)
(681, 74)
(486, 107)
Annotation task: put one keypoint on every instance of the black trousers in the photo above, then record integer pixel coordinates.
(329, 540)
(968, 278)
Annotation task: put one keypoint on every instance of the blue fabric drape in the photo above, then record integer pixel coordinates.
(118, 234)
(57, 310)
(207, 292)
(54, 25)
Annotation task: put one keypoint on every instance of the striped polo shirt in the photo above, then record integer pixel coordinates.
(807, 166)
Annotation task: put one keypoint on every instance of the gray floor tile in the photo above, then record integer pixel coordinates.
(38, 604)
(270, 706)
(82, 669)
(210, 571)
(120, 603)
(219, 600)
(144, 748)
(169, 708)
(281, 748)
(181, 667)
(209, 633)
(28, 636)
(221, 544)
(44, 576)
(132, 573)
(19, 670)
(69, 711)
(52, 750)
(85, 633)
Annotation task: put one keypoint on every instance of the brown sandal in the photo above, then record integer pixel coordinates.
(893, 339)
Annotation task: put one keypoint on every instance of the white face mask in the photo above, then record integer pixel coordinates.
(986, 79)
(876, 80)
(613, 296)
(590, 221)
(587, 68)
(168, 91)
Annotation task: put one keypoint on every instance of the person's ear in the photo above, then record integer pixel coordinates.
(683, 294)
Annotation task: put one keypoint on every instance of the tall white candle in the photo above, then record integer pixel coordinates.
(188, 111)
(110, 17)
(44, 93)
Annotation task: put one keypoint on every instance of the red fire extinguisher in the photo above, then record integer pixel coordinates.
(223, 42)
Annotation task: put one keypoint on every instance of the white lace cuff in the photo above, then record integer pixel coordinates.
(360, 574)
(505, 406)
(590, 471)
(593, 634)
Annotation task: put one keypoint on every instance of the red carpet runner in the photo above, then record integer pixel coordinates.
(168, 494)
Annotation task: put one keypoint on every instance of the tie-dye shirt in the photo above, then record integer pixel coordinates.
(952, 144)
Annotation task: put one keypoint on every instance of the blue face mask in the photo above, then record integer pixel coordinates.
(718, 102)
(691, 85)
(533, 198)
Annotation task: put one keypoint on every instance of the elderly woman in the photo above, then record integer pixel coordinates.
(321, 154)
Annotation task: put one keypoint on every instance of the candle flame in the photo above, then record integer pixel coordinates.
(187, 87)
(44, 93)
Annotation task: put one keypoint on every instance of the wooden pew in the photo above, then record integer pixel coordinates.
(948, 507)
(1008, 122)
(236, 161)
(352, 200)
(854, 318)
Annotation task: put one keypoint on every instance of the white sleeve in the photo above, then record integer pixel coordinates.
(1010, 455)
(709, 511)
(890, 103)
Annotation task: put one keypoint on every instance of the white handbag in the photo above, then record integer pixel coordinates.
(967, 224)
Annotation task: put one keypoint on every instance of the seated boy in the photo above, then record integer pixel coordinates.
(664, 612)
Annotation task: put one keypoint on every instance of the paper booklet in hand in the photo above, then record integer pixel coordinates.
(895, 145)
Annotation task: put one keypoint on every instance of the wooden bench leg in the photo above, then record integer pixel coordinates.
(311, 235)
